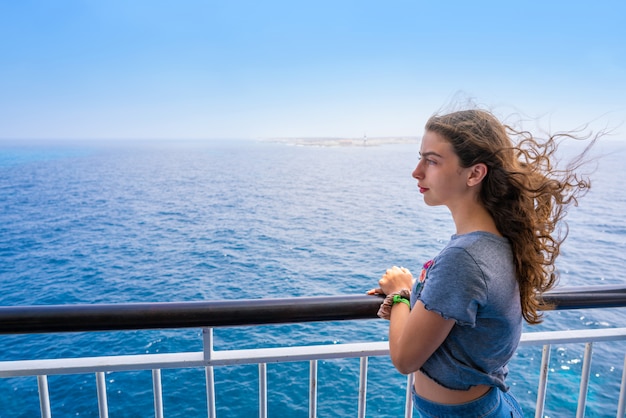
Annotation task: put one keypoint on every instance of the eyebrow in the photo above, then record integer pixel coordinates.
(429, 154)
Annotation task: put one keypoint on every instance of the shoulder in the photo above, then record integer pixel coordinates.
(477, 238)
(474, 255)
(478, 245)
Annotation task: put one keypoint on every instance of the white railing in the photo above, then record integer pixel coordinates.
(588, 337)
(209, 358)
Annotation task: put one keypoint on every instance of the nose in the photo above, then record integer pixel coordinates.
(418, 173)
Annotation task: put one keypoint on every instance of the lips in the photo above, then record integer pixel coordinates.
(423, 189)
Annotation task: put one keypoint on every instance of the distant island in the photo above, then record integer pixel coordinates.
(346, 142)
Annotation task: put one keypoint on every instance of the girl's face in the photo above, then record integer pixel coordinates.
(439, 176)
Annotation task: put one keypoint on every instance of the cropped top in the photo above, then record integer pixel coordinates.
(472, 281)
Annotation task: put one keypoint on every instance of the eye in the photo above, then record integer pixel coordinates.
(427, 160)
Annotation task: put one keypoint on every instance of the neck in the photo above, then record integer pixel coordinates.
(472, 217)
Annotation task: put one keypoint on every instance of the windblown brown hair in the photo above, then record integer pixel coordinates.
(523, 190)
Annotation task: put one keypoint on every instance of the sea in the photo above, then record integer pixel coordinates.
(185, 220)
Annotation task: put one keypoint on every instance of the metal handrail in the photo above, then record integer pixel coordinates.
(195, 314)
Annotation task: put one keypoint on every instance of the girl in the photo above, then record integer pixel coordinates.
(457, 326)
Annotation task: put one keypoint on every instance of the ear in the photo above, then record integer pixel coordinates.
(476, 174)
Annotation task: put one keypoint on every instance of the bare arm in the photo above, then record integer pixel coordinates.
(415, 334)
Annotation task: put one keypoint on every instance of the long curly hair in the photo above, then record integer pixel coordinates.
(523, 190)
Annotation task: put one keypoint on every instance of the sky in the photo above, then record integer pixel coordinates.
(190, 69)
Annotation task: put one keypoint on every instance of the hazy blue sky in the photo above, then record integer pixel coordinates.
(263, 68)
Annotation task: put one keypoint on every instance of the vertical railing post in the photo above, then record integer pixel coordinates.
(621, 405)
(584, 381)
(157, 388)
(543, 381)
(408, 405)
(207, 348)
(362, 387)
(313, 389)
(262, 390)
(103, 406)
(44, 396)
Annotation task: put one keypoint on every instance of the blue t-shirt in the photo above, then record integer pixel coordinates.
(473, 281)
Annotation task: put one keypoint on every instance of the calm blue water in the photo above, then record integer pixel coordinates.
(181, 221)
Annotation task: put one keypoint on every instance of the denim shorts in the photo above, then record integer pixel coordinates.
(493, 404)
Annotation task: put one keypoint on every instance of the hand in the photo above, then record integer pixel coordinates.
(394, 279)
